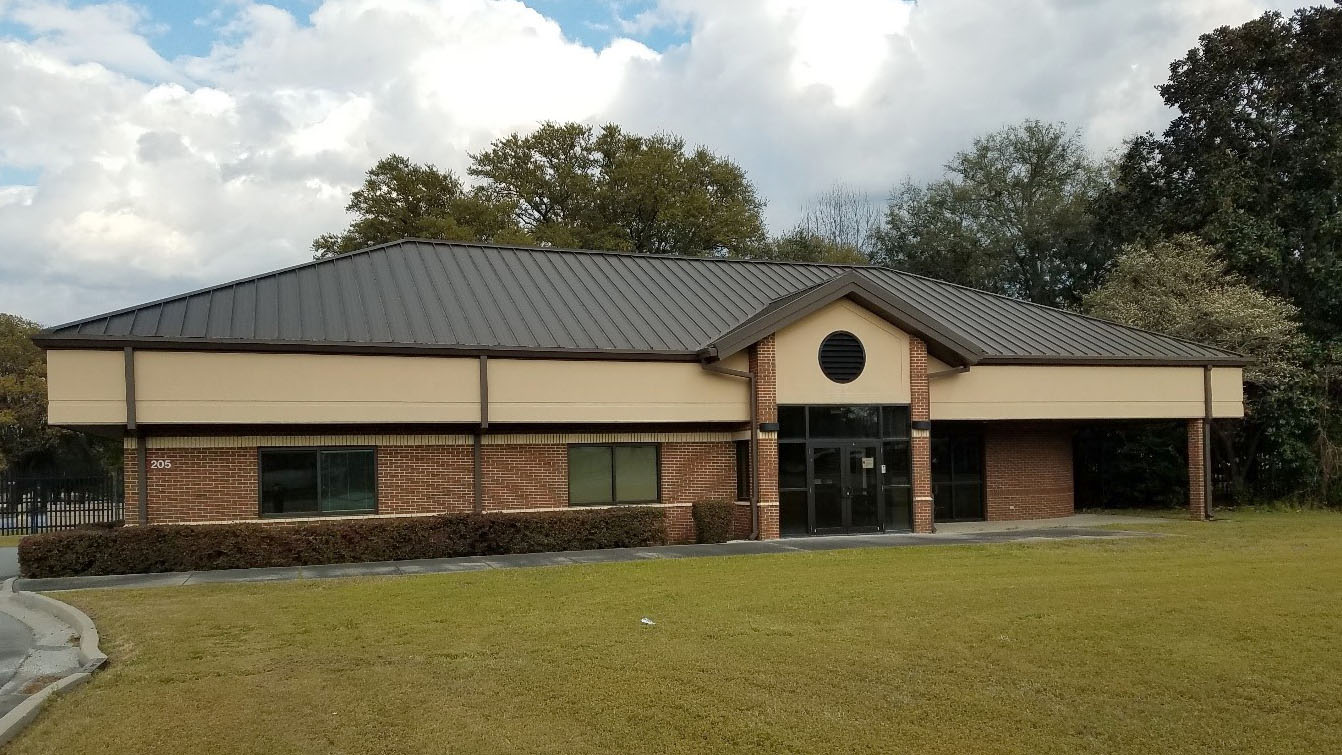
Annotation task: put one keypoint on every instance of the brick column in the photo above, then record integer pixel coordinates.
(762, 363)
(921, 443)
(1197, 471)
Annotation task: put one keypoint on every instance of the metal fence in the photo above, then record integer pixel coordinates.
(33, 504)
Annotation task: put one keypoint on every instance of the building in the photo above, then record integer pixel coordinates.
(421, 377)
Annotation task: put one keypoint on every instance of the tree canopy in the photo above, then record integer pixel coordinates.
(1253, 161)
(400, 199)
(1180, 287)
(568, 185)
(1013, 215)
(609, 189)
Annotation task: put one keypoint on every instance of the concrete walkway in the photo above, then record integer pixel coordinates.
(1056, 529)
(9, 561)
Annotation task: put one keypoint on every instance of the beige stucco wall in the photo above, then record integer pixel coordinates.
(88, 387)
(884, 380)
(1077, 392)
(533, 390)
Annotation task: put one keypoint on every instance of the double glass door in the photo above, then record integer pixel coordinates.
(845, 487)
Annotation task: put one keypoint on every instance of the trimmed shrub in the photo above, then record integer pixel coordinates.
(713, 521)
(182, 547)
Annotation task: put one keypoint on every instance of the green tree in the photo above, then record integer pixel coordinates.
(802, 245)
(1181, 288)
(1253, 161)
(1013, 215)
(400, 199)
(1253, 164)
(609, 189)
(23, 393)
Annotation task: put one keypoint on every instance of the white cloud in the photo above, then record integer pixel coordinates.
(156, 176)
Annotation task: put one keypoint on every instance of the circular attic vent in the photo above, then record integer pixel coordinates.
(842, 357)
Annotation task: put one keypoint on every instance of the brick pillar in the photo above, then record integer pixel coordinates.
(921, 442)
(762, 363)
(1197, 471)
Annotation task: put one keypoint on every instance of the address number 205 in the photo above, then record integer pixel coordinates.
(160, 464)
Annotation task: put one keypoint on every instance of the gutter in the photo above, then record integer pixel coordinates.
(749, 377)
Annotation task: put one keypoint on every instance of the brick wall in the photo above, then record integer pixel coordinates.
(1197, 480)
(533, 476)
(763, 363)
(196, 485)
(920, 444)
(221, 484)
(1027, 470)
(698, 471)
(425, 479)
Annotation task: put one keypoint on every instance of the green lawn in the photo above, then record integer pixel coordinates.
(10, 540)
(1222, 637)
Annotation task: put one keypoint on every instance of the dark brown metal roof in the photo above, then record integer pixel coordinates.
(417, 296)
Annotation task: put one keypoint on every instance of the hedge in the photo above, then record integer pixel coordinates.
(164, 548)
(713, 521)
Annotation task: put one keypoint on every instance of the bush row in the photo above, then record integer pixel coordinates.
(163, 548)
(713, 521)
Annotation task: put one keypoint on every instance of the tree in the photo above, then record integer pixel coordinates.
(1181, 288)
(801, 245)
(843, 216)
(1253, 164)
(400, 199)
(572, 186)
(1013, 215)
(1253, 161)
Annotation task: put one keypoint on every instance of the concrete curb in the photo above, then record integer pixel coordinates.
(91, 658)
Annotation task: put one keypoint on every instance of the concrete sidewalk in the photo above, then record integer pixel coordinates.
(1057, 531)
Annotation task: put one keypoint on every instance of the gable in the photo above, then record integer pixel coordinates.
(885, 375)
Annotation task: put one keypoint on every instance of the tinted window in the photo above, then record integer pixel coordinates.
(635, 473)
(844, 422)
(612, 474)
(791, 465)
(792, 422)
(894, 422)
(318, 481)
(589, 474)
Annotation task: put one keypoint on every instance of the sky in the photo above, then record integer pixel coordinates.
(153, 147)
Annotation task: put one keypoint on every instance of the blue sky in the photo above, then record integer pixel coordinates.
(188, 27)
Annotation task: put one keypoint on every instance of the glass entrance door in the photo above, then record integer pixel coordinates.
(845, 491)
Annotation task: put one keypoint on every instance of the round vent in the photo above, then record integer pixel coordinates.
(842, 357)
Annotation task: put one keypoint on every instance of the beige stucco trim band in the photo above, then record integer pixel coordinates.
(251, 441)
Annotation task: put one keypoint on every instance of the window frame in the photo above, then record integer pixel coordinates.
(657, 468)
(261, 490)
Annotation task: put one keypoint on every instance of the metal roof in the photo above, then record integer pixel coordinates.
(420, 296)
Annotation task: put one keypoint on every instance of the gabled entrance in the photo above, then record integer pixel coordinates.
(843, 469)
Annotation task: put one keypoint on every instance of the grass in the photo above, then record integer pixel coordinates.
(10, 541)
(1223, 637)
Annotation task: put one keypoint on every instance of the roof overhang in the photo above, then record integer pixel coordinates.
(786, 310)
(48, 341)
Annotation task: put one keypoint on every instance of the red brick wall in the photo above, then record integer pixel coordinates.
(1027, 470)
(1197, 491)
(763, 363)
(199, 485)
(425, 479)
(698, 471)
(920, 445)
(220, 484)
(524, 477)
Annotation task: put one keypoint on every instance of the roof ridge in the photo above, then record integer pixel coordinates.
(1059, 310)
(614, 253)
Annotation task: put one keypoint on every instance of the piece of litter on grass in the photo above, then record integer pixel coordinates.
(649, 622)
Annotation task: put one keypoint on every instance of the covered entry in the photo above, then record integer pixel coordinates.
(843, 469)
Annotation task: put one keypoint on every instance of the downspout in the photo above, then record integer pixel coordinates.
(754, 441)
(1207, 441)
(141, 454)
(477, 464)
